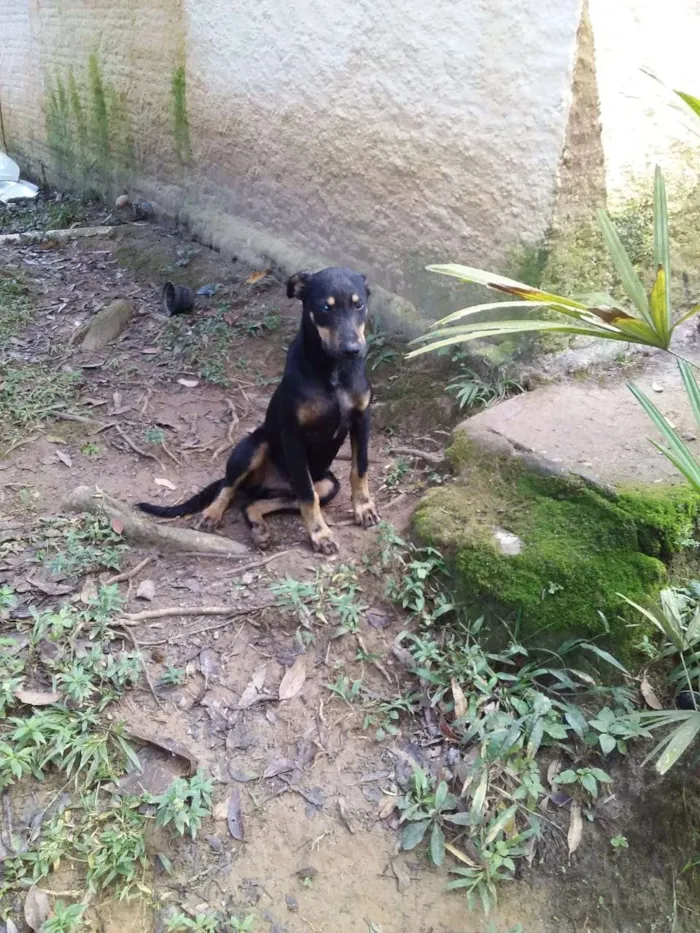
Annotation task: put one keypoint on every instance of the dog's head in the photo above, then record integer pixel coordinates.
(334, 302)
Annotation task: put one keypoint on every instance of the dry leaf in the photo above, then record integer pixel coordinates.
(150, 351)
(36, 698)
(89, 591)
(651, 699)
(36, 908)
(161, 481)
(575, 827)
(293, 680)
(117, 526)
(251, 694)
(279, 766)
(257, 276)
(188, 383)
(348, 821)
(234, 817)
(387, 808)
(220, 812)
(403, 878)
(552, 771)
(51, 438)
(460, 700)
(146, 590)
(64, 458)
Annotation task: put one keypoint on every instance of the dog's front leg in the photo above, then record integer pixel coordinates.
(307, 498)
(363, 505)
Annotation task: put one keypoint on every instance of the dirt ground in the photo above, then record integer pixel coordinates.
(318, 817)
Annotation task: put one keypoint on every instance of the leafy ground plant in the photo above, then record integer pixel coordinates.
(677, 619)
(510, 714)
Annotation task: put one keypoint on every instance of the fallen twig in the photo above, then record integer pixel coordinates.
(139, 528)
(21, 443)
(134, 618)
(61, 236)
(137, 450)
(130, 574)
(170, 454)
(419, 454)
(229, 436)
(209, 628)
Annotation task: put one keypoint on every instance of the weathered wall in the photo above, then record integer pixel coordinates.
(642, 122)
(377, 133)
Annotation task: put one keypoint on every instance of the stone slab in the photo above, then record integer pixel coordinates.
(593, 427)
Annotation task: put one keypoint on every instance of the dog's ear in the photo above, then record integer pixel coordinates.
(368, 290)
(297, 285)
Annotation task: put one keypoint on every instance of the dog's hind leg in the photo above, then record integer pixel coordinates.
(247, 456)
(278, 500)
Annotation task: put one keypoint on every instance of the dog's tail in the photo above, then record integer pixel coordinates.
(198, 502)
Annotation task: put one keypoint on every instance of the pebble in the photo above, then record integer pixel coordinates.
(292, 903)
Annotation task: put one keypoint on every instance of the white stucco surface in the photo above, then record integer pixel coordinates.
(642, 121)
(382, 134)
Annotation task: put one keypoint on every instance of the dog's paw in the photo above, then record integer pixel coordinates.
(261, 535)
(323, 542)
(366, 513)
(208, 522)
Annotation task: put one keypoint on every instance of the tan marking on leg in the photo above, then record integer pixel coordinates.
(213, 515)
(255, 514)
(316, 527)
(363, 506)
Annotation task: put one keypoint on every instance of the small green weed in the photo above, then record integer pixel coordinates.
(16, 306)
(86, 543)
(65, 919)
(587, 778)
(474, 391)
(90, 450)
(379, 350)
(185, 804)
(619, 842)
(29, 394)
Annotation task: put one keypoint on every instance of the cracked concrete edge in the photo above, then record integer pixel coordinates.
(494, 443)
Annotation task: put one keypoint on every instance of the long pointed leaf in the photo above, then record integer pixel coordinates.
(662, 254)
(677, 452)
(480, 326)
(625, 269)
(515, 327)
(498, 825)
(501, 283)
(660, 308)
(483, 308)
(692, 102)
(681, 739)
(691, 387)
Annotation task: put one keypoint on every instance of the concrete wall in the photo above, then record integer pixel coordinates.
(643, 123)
(380, 134)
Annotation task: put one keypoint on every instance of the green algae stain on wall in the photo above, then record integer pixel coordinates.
(181, 125)
(88, 128)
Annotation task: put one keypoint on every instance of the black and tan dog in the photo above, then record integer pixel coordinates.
(284, 465)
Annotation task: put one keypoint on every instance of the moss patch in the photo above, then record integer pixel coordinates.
(580, 546)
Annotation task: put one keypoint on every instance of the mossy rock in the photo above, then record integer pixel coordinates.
(552, 547)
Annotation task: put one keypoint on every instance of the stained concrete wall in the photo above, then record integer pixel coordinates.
(380, 134)
(643, 123)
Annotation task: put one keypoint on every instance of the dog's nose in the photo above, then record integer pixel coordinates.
(351, 350)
